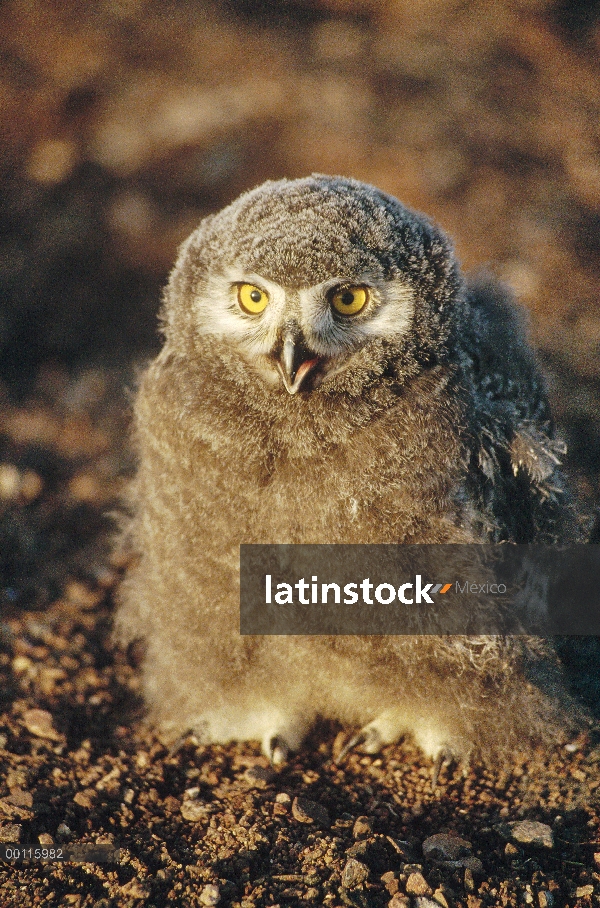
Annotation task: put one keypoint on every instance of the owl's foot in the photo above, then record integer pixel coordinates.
(390, 725)
(369, 739)
(283, 735)
(276, 749)
(444, 758)
(180, 742)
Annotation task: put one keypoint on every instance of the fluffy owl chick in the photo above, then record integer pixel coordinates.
(328, 376)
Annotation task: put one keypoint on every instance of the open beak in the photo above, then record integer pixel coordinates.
(295, 362)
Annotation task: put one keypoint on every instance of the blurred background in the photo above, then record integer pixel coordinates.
(126, 121)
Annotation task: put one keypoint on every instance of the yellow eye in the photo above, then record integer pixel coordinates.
(350, 300)
(252, 299)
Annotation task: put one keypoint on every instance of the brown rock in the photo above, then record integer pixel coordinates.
(363, 827)
(354, 873)
(135, 889)
(440, 897)
(210, 895)
(259, 776)
(20, 798)
(530, 832)
(443, 847)
(85, 798)
(194, 811)
(11, 832)
(39, 722)
(31, 485)
(402, 849)
(79, 594)
(469, 881)
(13, 812)
(472, 864)
(416, 884)
(10, 481)
(306, 811)
(390, 881)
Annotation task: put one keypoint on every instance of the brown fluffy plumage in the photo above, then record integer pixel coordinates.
(422, 419)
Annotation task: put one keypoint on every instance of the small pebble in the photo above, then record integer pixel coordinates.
(545, 899)
(21, 665)
(282, 797)
(84, 798)
(210, 895)
(354, 873)
(31, 486)
(416, 884)
(363, 827)
(10, 482)
(193, 811)
(86, 487)
(20, 798)
(79, 594)
(259, 776)
(11, 832)
(473, 864)
(38, 722)
(530, 832)
(306, 811)
(422, 901)
(440, 898)
(45, 839)
(399, 901)
(442, 847)
(402, 849)
(582, 891)
(390, 881)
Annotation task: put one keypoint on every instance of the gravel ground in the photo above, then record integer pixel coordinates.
(217, 825)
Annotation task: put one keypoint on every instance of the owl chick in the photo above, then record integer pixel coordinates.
(328, 376)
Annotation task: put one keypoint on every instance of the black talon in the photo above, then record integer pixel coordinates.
(444, 758)
(176, 747)
(356, 739)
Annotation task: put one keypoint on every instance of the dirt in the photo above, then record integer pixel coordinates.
(123, 125)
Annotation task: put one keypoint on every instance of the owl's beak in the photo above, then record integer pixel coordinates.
(295, 362)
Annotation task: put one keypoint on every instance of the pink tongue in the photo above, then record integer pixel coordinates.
(304, 368)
